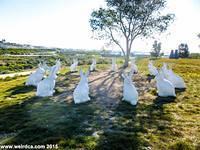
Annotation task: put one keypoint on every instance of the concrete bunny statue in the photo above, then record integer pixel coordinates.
(134, 67)
(165, 70)
(114, 65)
(74, 65)
(58, 65)
(130, 93)
(152, 69)
(46, 86)
(81, 92)
(93, 65)
(175, 79)
(45, 67)
(36, 77)
(165, 87)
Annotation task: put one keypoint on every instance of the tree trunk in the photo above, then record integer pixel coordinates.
(126, 60)
(126, 57)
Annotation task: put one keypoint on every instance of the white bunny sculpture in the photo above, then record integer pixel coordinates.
(176, 80)
(134, 68)
(81, 92)
(58, 66)
(46, 86)
(36, 77)
(152, 69)
(114, 66)
(164, 67)
(45, 67)
(93, 65)
(74, 65)
(165, 70)
(130, 93)
(164, 86)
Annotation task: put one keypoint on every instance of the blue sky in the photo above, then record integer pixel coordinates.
(64, 23)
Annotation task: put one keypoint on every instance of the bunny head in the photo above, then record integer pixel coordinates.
(40, 64)
(113, 59)
(164, 67)
(84, 76)
(170, 71)
(133, 61)
(150, 64)
(40, 70)
(58, 62)
(127, 78)
(76, 62)
(52, 74)
(159, 76)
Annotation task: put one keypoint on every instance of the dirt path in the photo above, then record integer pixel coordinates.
(3, 76)
(106, 88)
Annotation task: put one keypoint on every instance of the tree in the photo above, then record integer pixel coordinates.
(171, 56)
(156, 52)
(176, 54)
(183, 50)
(125, 20)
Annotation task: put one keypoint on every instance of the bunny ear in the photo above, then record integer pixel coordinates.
(131, 73)
(159, 72)
(39, 65)
(87, 73)
(81, 72)
(124, 75)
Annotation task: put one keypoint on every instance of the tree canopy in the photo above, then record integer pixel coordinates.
(183, 50)
(156, 51)
(125, 20)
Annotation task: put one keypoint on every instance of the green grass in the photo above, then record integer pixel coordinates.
(157, 123)
(183, 124)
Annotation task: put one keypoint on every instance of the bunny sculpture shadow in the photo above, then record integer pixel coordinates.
(164, 100)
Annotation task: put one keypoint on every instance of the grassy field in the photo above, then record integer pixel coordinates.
(155, 123)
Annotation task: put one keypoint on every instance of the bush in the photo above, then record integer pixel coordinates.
(195, 55)
(181, 145)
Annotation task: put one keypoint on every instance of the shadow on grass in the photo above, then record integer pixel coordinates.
(178, 90)
(164, 100)
(42, 121)
(20, 89)
(123, 131)
(131, 124)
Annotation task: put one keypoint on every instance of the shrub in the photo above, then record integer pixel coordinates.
(181, 145)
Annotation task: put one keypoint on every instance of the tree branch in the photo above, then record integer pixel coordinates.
(123, 29)
(116, 42)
